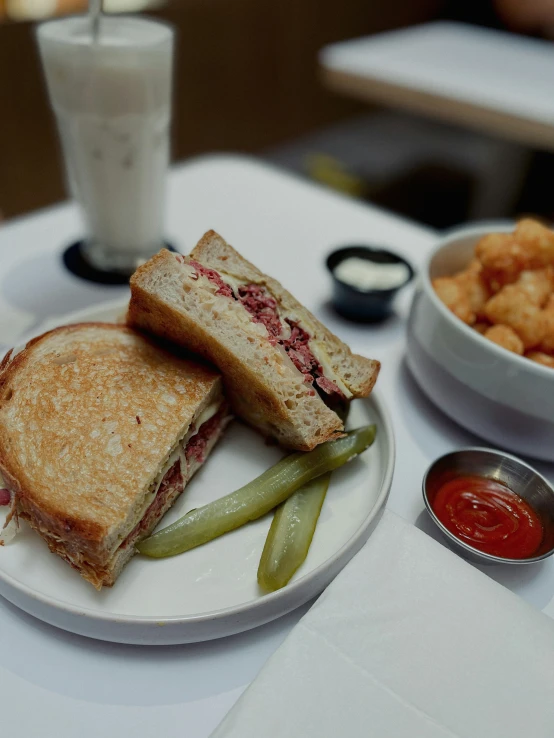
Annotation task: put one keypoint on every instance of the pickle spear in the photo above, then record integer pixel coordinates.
(293, 527)
(257, 497)
(291, 533)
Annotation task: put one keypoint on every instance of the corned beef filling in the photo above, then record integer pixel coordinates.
(303, 359)
(174, 481)
(171, 483)
(196, 447)
(263, 309)
(213, 276)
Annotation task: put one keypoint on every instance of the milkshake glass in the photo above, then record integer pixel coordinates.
(112, 100)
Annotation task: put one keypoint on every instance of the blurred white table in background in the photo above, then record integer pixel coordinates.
(491, 81)
(54, 683)
(494, 81)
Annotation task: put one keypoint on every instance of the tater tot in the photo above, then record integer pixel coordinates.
(506, 337)
(505, 255)
(481, 327)
(502, 258)
(511, 306)
(475, 266)
(476, 290)
(541, 358)
(537, 284)
(538, 241)
(454, 296)
(547, 343)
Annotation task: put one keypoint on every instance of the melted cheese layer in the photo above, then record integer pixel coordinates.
(178, 453)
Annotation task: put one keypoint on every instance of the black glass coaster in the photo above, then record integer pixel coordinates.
(76, 262)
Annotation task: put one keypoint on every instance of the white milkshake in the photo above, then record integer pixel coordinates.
(112, 99)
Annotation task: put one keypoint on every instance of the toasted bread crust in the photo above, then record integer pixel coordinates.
(91, 383)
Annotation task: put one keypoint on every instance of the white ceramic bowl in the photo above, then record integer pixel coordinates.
(502, 397)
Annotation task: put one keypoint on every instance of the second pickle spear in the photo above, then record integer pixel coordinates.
(291, 533)
(257, 497)
(293, 527)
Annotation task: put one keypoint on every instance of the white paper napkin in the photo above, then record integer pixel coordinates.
(409, 641)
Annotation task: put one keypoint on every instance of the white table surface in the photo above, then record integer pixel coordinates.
(494, 80)
(54, 683)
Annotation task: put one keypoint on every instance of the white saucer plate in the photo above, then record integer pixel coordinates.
(211, 591)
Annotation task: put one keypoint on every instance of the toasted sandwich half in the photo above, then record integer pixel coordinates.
(282, 368)
(100, 431)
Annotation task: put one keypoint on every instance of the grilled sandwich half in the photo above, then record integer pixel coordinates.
(100, 431)
(285, 372)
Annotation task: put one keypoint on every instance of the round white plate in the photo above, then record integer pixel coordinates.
(212, 590)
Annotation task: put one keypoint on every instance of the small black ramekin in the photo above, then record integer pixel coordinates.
(364, 305)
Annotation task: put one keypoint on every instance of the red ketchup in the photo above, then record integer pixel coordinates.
(489, 516)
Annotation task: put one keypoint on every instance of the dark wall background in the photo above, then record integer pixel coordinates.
(246, 79)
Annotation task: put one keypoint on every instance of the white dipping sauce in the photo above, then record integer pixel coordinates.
(367, 275)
